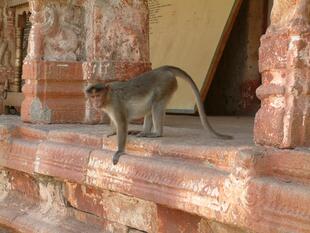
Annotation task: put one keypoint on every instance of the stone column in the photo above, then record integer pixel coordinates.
(73, 43)
(284, 60)
(52, 68)
(117, 44)
(7, 49)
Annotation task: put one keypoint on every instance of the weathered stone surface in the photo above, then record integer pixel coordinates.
(24, 184)
(7, 50)
(104, 225)
(117, 31)
(57, 31)
(232, 183)
(63, 161)
(53, 92)
(25, 216)
(215, 227)
(115, 207)
(283, 120)
(175, 221)
(109, 38)
(117, 44)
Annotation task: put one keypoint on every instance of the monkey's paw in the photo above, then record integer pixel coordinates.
(116, 156)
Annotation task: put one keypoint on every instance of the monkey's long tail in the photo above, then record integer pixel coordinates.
(203, 117)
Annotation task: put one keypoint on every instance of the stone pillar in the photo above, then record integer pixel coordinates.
(73, 43)
(7, 49)
(117, 44)
(284, 60)
(52, 68)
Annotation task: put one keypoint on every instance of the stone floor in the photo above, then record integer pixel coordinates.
(234, 182)
(182, 134)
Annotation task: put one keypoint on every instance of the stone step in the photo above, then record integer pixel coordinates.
(26, 216)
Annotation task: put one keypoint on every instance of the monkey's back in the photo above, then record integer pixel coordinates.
(160, 82)
(139, 94)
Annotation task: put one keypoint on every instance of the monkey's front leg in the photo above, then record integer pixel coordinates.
(122, 127)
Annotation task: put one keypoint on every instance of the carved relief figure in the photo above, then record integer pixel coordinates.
(61, 28)
(5, 52)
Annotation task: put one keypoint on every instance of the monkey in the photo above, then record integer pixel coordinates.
(146, 95)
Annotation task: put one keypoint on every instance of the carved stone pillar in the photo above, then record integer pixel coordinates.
(7, 49)
(75, 42)
(284, 58)
(117, 43)
(52, 68)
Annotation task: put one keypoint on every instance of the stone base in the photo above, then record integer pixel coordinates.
(185, 182)
(53, 92)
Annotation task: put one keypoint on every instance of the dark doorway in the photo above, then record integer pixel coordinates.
(232, 91)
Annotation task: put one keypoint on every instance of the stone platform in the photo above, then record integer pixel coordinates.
(60, 178)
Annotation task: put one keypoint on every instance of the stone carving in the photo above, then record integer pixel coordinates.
(35, 40)
(5, 51)
(119, 29)
(289, 11)
(284, 65)
(61, 29)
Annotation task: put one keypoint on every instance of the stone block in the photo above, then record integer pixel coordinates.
(24, 184)
(53, 92)
(176, 221)
(104, 224)
(115, 207)
(22, 155)
(62, 161)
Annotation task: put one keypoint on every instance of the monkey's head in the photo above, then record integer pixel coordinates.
(97, 94)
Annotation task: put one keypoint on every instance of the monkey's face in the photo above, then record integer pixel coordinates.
(97, 99)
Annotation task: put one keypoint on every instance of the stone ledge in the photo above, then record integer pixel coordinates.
(235, 183)
(26, 216)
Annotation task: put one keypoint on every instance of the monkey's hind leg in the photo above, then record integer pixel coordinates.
(158, 115)
(147, 126)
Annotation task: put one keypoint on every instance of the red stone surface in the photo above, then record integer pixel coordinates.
(24, 184)
(175, 221)
(111, 41)
(53, 92)
(128, 211)
(25, 216)
(7, 51)
(62, 161)
(232, 183)
(283, 120)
